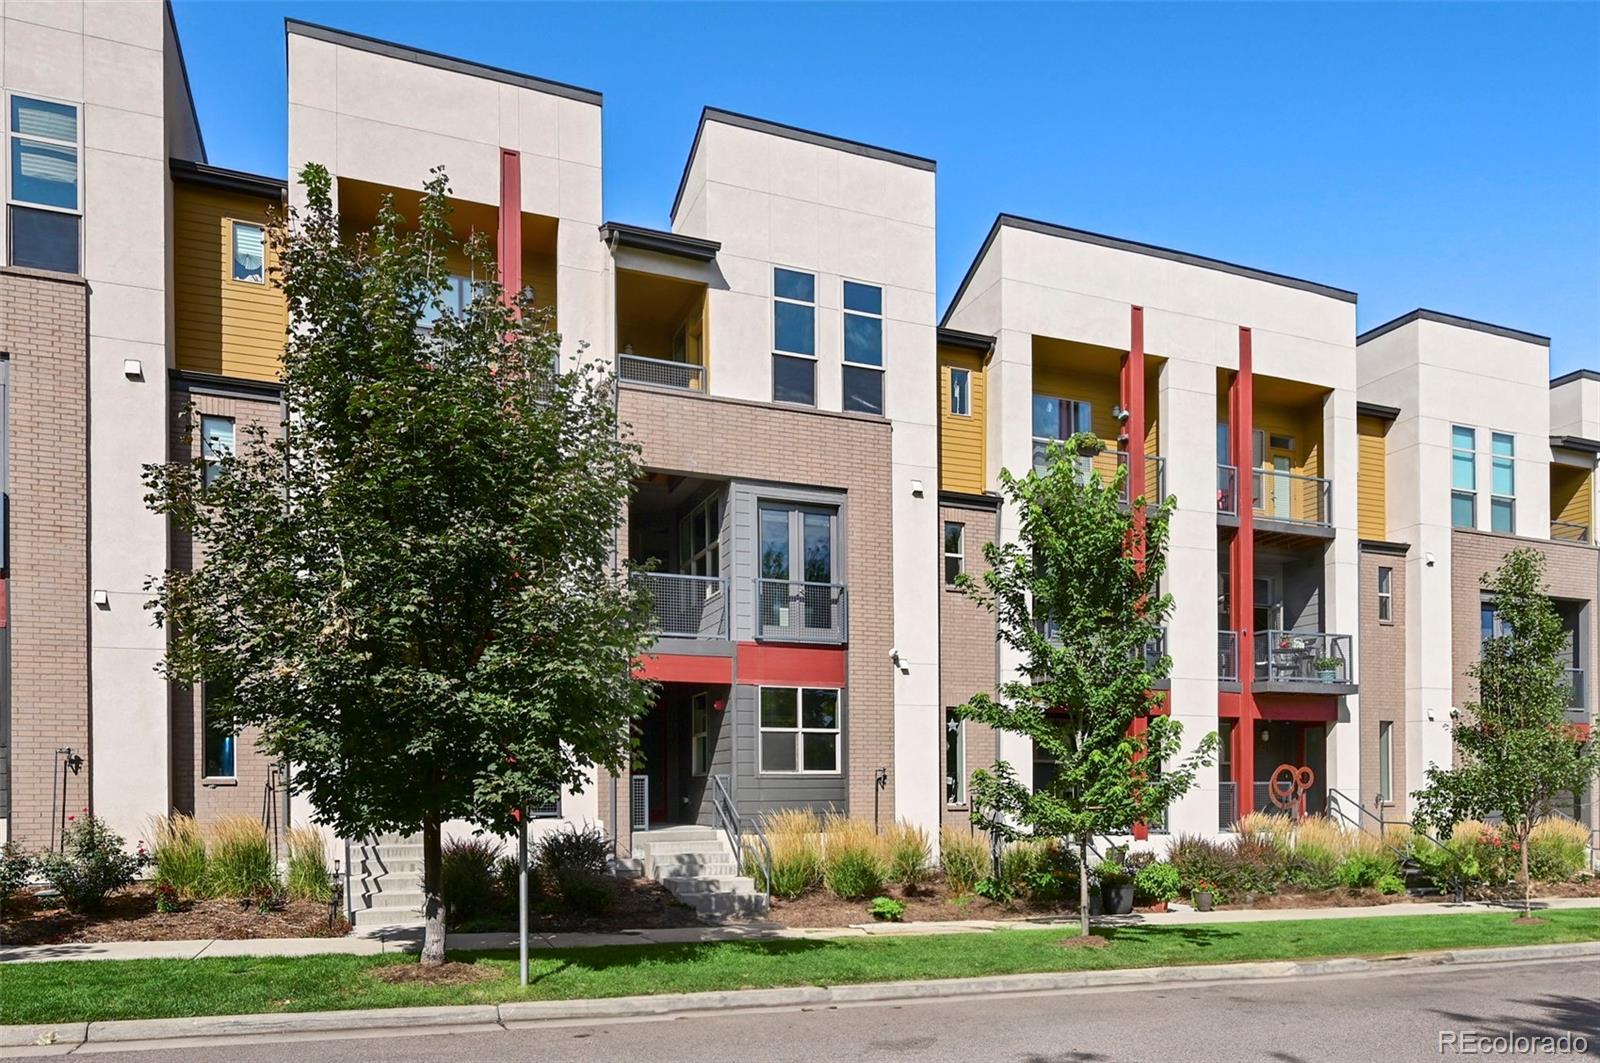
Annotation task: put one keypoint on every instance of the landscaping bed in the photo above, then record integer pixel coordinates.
(628, 904)
(130, 915)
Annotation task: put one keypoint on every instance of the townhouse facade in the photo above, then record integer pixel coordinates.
(822, 449)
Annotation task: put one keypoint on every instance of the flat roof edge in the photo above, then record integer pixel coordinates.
(1440, 318)
(199, 173)
(439, 61)
(1576, 374)
(972, 341)
(659, 240)
(1373, 409)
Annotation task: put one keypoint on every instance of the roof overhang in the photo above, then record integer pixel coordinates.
(972, 341)
(199, 173)
(617, 234)
(1588, 446)
(1438, 318)
(1382, 413)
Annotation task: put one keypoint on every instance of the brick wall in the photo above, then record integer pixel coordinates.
(208, 799)
(1383, 683)
(699, 435)
(967, 663)
(44, 331)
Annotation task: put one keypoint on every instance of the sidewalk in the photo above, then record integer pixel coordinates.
(377, 940)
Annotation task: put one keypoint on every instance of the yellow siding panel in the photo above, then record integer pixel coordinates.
(962, 439)
(224, 327)
(1571, 494)
(1372, 518)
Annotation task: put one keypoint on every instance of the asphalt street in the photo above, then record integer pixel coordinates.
(1385, 1018)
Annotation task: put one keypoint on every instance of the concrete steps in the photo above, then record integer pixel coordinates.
(698, 866)
(386, 881)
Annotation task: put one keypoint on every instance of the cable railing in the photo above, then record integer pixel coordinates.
(691, 607)
(801, 611)
(662, 372)
(1568, 531)
(1291, 497)
(1308, 657)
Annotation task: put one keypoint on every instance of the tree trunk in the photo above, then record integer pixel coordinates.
(432, 902)
(1527, 892)
(1083, 884)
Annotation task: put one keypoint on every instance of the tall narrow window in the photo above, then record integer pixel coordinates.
(955, 552)
(955, 758)
(794, 337)
(699, 539)
(1385, 761)
(1503, 482)
(218, 754)
(1463, 477)
(960, 391)
(699, 734)
(863, 348)
(1385, 594)
(44, 201)
(249, 253)
(1054, 419)
(216, 443)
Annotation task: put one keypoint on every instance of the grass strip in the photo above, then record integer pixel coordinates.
(88, 990)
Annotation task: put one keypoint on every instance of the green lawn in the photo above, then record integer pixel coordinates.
(125, 989)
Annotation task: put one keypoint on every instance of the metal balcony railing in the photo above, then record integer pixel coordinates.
(1228, 655)
(1291, 497)
(1107, 463)
(661, 372)
(1308, 657)
(687, 607)
(1154, 650)
(798, 611)
(1572, 533)
(1228, 490)
(1227, 805)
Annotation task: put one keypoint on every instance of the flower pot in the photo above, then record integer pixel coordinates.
(1095, 907)
(1202, 900)
(1158, 906)
(1117, 900)
(1327, 675)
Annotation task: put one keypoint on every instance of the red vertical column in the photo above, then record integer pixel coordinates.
(1241, 431)
(1132, 445)
(508, 247)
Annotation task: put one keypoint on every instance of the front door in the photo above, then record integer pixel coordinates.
(653, 758)
(797, 569)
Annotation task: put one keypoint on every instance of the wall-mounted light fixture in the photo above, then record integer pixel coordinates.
(916, 488)
(133, 369)
(102, 600)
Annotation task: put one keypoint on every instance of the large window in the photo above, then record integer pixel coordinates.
(1463, 477)
(797, 568)
(457, 295)
(216, 442)
(794, 337)
(43, 188)
(699, 539)
(1503, 482)
(218, 755)
(1385, 761)
(955, 758)
(1385, 594)
(249, 253)
(960, 391)
(799, 731)
(955, 553)
(863, 348)
(1054, 419)
(699, 734)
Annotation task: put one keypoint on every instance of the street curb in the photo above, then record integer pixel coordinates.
(131, 1032)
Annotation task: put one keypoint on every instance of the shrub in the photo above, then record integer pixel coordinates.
(306, 877)
(795, 836)
(964, 858)
(1558, 850)
(15, 867)
(1110, 873)
(238, 858)
(505, 877)
(1391, 884)
(995, 889)
(1233, 867)
(1018, 862)
(887, 908)
(574, 848)
(91, 864)
(1277, 830)
(466, 877)
(909, 854)
(167, 899)
(1157, 881)
(179, 852)
(852, 854)
(1365, 870)
(582, 890)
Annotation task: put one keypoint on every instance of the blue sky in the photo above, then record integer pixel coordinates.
(1438, 155)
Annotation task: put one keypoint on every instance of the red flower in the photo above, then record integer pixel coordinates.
(71, 818)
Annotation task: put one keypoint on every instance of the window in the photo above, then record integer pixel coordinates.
(960, 391)
(216, 442)
(699, 539)
(955, 758)
(44, 205)
(863, 348)
(699, 731)
(794, 337)
(249, 253)
(218, 756)
(1503, 482)
(1056, 419)
(796, 593)
(458, 293)
(799, 730)
(955, 554)
(1463, 477)
(1385, 594)
(1385, 761)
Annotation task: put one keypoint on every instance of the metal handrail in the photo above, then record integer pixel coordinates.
(725, 814)
(1337, 798)
(663, 372)
(1228, 489)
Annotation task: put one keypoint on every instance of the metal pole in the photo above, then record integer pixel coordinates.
(522, 894)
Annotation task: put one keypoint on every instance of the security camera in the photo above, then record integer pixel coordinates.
(1120, 414)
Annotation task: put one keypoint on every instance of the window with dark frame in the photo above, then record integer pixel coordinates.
(218, 756)
(699, 734)
(955, 553)
(794, 337)
(799, 731)
(1385, 761)
(960, 391)
(216, 443)
(249, 255)
(44, 188)
(955, 758)
(863, 348)
(1385, 594)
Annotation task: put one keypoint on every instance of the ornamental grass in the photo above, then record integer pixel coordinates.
(238, 858)
(179, 853)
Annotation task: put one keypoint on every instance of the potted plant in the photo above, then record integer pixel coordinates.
(1116, 888)
(1327, 669)
(1204, 895)
(1157, 883)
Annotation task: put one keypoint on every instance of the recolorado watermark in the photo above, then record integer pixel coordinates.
(1509, 1043)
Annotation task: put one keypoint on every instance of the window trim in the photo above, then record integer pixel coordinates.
(688, 557)
(958, 782)
(210, 471)
(233, 225)
(700, 740)
(1470, 495)
(7, 134)
(799, 730)
(846, 363)
(966, 391)
(960, 555)
(205, 740)
(1385, 594)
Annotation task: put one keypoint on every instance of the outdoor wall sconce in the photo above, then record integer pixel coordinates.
(102, 600)
(133, 369)
(916, 488)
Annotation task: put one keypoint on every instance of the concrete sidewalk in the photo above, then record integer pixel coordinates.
(378, 940)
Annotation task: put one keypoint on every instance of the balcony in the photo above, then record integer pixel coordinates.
(795, 611)
(660, 372)
(1227, 805)
(1303, 662)
(1228, 490)
(1577, 696)
(687, 607)
(1569, 532)
(1228, 656)
(1292, 499)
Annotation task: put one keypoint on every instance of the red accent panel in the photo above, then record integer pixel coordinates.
(1297, 708)
(1228, 704)
(1241, 424)
(508, 248)
(5, 601)
(685, 668)
(761, 662)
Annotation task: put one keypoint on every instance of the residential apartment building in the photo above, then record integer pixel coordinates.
(822, 451)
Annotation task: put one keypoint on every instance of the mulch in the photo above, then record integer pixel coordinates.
(130, 915)
(932, 903)
(635, 904)
(451, 973)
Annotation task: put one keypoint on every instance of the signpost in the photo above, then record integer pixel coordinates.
(522, 893)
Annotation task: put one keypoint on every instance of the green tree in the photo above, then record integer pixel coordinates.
(410, 588)
(1516, 752)
(1078, 597)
